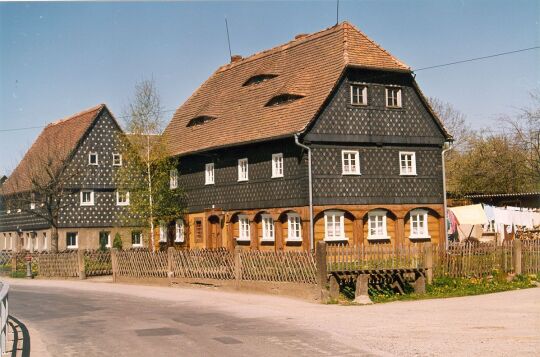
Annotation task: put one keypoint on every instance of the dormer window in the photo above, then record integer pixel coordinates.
(200, 120)
(393, 97)
(358, 95)
(258, 79)
(283, 99)
(93, 158)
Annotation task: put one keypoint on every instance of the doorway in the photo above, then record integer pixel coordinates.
(214, 232)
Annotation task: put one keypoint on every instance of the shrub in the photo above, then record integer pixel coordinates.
(117, 243)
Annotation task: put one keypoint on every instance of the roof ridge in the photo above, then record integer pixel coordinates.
(287, 45)
(73, 116)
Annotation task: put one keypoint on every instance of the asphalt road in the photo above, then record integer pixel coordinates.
(74, 318)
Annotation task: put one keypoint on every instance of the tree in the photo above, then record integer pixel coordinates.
(146, 175)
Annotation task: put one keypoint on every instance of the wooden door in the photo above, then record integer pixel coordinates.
(214, 233)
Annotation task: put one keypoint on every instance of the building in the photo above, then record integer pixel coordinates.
(328, 128)
(83, 153)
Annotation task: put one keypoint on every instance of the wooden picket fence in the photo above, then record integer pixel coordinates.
(203, 264)
(141, 263)
(97, 262)
(293, 266)
(341, 257)
(530, 256)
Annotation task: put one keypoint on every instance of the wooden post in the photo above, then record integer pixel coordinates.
(114, 264)
(400, 231)
(333, 289)
(254, 235)
(428, 259)
(278, 226)
(80, 261)
(361, 295)
(516, 256)
(322, 273)
(170, 272)
(237, 266)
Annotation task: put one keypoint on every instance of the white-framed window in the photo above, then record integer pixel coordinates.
(209, 174)
(179, 231)
(350, 162)
(136, 239)
(105, 239)
(419, 224)
(358, 94)
(277, 165)
(45, 243)
(267, 228)
(294, 227)
(407, 163)
(93, 158)
(162, 231)
(117, 159)
(87, 198)
(377, 225)
(5, 242)
(10, 242)
(243, 174)
(32, 205)
(334, 225)
(122, 198)
(72, 240)
(243, 228)
(173, 178)
(393, 97)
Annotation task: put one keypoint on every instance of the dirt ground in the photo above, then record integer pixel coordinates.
(501, 324)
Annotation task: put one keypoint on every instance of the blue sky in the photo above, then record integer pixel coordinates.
(60, 58)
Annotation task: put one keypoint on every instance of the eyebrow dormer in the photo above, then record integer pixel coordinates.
(283, 99)
(199, 120)
(259, 78)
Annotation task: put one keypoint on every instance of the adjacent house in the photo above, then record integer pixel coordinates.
(326, 137)
(73, 163)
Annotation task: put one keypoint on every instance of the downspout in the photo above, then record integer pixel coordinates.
(449, 147)
(311, 233)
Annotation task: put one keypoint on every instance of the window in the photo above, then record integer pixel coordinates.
(179, 236)
(277, 165)
(377, 225)
(209, 174)
(71, 240)
(358, 95)
(294, 227)
(36, 246)
(283, 99)
(122, 198)
(334, 225)
(45, 241)
(267, 228)
(198, 230)
(200, 120)
(136, 239)
(87, 198)
(407, 163)
(243, 228)
(259, 79)
(419, 224)
(105, 239)
(117, 159)
(393, 97)
(350, 162)
(162, 231)
(10, 242)
(32, 205)
(93, 158)
(243, 170)
(173, 179)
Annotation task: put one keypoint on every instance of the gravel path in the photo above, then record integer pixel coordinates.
(501, 324)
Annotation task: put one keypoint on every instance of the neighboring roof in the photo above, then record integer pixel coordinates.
(57, 140)
(494, 195)
(307, 68)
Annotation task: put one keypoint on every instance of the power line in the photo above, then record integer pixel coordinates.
(414, 70)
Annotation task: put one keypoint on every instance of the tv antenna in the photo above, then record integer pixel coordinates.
(337, 12)
(228, 38)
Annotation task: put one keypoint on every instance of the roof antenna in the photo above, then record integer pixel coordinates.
(228, 39)
(337, 12)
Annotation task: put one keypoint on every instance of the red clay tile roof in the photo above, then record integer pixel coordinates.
(58, 139)
(309, 66)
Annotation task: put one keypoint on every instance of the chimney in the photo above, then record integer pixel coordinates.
(300, 36)
(236, 58)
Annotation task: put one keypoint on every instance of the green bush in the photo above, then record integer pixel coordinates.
(117, 242)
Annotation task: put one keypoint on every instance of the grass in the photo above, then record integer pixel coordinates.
(445, 287)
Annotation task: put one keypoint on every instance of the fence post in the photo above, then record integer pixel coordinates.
(14, 263)
(428, 259)
(322, 273)
(516, 256)
(170, 273)
(80, 263)
(237, 266)
(114, 264)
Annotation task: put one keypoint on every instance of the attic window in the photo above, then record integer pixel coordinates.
(283, 99)
(200, 120)
(259, 79)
